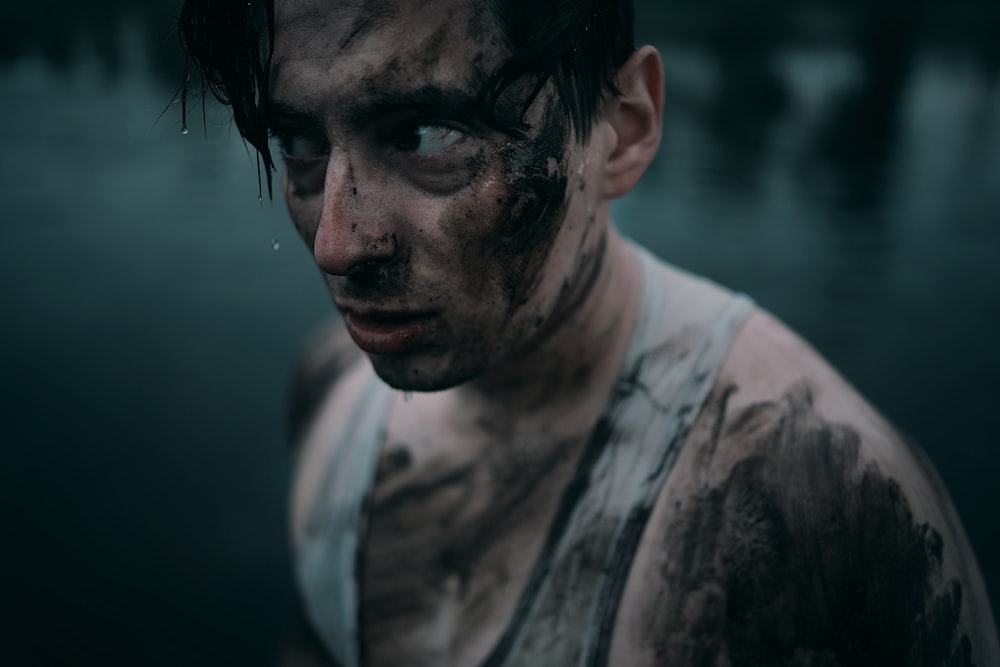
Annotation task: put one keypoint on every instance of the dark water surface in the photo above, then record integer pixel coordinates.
(152, 307)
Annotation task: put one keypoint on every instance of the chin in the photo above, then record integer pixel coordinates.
(408, 376)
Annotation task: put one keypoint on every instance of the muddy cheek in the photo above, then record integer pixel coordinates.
(532, 211)
(525, 240)
(506, 222)
(478, 260)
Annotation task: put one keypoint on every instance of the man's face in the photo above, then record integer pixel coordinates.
(449, 242)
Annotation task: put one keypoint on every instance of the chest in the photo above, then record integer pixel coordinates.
(454, 535)
(484, 559)
(475, 554)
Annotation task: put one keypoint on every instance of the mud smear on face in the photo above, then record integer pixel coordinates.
(372, 15)
(393, 280)
(533, 168)
(801, 558)
(530, 215)
(419, 63)
(585, 275)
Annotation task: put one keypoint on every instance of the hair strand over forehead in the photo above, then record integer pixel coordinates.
(577, 45)
(229, 43)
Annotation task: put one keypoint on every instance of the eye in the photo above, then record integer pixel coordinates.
(427, 140)
(299, 148)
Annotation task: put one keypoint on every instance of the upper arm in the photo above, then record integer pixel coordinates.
(806, 531)
(327, 371)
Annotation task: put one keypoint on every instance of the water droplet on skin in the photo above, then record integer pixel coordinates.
(275, 245)
(407, 396)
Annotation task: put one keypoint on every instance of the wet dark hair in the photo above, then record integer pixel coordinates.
(578, 45)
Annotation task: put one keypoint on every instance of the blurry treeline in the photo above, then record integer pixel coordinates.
(742, 33)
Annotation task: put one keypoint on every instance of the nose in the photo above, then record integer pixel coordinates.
(351, 235)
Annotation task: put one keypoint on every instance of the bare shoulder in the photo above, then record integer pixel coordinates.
(329, 370)
(325, 357)
(799, 527)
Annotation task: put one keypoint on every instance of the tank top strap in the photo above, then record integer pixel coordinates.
(328, 559)
(682, 335)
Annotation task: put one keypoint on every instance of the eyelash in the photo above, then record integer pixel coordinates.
(285, 139)
(448, 133)
(400, 138)
(442, 168)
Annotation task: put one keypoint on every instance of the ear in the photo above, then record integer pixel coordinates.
(635, 118)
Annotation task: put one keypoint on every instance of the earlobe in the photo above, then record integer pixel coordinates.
(635, 117)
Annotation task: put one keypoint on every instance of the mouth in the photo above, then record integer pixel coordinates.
(387, 332)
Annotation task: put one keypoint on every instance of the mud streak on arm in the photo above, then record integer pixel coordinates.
(802, 554)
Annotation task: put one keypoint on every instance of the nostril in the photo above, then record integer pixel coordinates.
(380, 252)
(383, 248)
(368, 275)
(370, 266)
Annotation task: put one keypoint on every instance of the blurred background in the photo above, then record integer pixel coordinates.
(839, 161)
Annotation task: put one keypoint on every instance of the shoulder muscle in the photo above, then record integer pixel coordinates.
(324, 359)
(806, 531)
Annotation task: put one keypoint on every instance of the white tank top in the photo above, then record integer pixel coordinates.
(566, 613)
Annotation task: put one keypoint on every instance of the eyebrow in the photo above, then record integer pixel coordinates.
(429, 99)
(282, 116)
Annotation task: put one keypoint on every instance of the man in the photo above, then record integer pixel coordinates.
(556, 450)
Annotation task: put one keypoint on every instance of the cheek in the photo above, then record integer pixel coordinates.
(530, 220)
(465, 251)
(493, 249)
(508, 230)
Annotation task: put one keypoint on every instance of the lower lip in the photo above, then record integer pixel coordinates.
(386, 336)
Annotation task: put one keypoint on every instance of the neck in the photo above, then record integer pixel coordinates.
(566, 373)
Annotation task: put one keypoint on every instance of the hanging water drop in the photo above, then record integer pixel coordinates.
(185, 130)
(275, 245)
(407, 396)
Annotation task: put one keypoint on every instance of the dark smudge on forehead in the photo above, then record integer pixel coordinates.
(424, 59)
(372, 15)
(481, 24)
(427, 63)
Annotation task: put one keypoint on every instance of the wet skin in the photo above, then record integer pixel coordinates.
(484, 249)
(797, 528)
(500, 235)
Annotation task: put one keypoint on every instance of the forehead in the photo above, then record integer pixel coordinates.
(325, 46)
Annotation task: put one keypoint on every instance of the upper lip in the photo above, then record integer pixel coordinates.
(376, 313)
